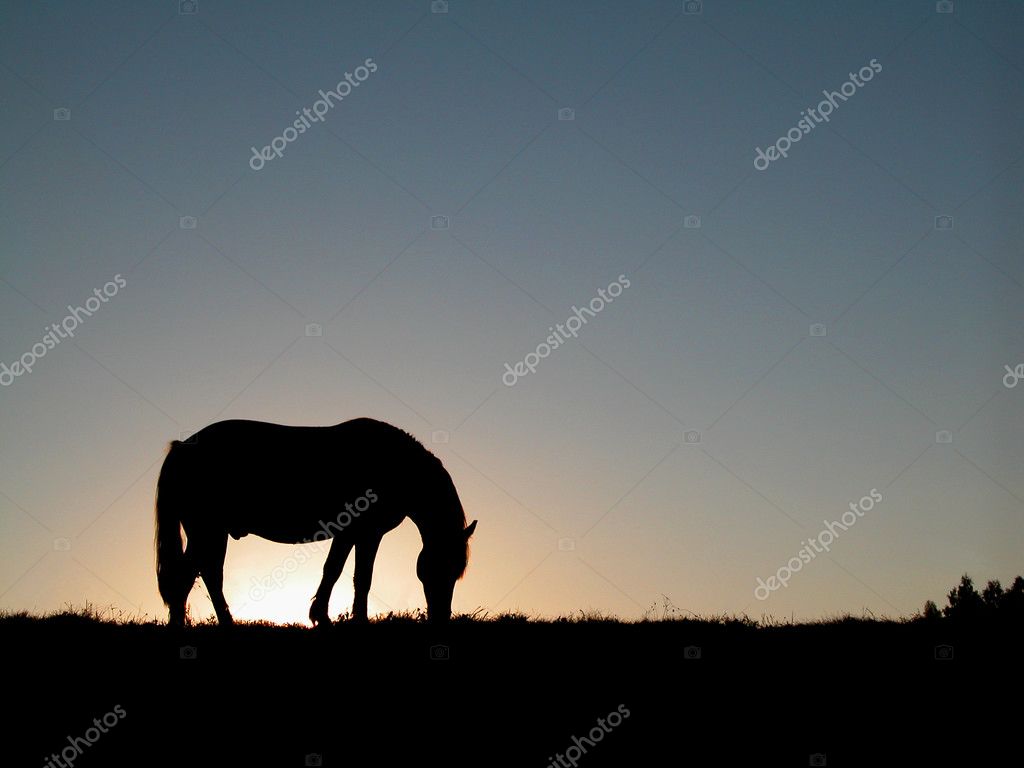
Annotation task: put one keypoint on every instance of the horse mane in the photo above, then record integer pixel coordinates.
(434, 469)
(437, 469)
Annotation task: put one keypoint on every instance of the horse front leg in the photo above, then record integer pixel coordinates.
(366, 553)
(340, 547)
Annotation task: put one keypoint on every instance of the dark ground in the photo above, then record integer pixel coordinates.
(510, 692)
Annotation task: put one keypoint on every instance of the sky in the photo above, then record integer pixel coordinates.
(842, 325)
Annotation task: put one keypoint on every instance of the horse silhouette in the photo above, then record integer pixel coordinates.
(352, 482)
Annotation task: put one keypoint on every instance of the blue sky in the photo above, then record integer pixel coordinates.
(589, 495)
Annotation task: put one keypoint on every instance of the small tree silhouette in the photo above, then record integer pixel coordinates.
(1012, 601)
(993, 604)
(965, 604)
(992, 595)
(931, 611)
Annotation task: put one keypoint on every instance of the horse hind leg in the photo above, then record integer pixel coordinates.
(211, 566)
(177, 606)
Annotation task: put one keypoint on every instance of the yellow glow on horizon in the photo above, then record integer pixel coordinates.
(266, 581)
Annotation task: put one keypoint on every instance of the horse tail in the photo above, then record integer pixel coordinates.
(170, 554)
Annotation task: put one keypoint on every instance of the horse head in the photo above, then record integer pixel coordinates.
(441, 563)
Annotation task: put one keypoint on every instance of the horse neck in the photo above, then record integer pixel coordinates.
(432, 526)
(442, 519)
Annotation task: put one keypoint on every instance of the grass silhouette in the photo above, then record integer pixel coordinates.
(968, 628)
(966, 606)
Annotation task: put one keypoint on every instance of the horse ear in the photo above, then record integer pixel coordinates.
(469, 529)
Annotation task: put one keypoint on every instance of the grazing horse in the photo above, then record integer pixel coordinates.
(352, 482)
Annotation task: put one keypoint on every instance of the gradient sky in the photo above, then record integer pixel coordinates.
(588, 495)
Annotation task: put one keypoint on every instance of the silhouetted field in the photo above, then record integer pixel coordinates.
(519, 685)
